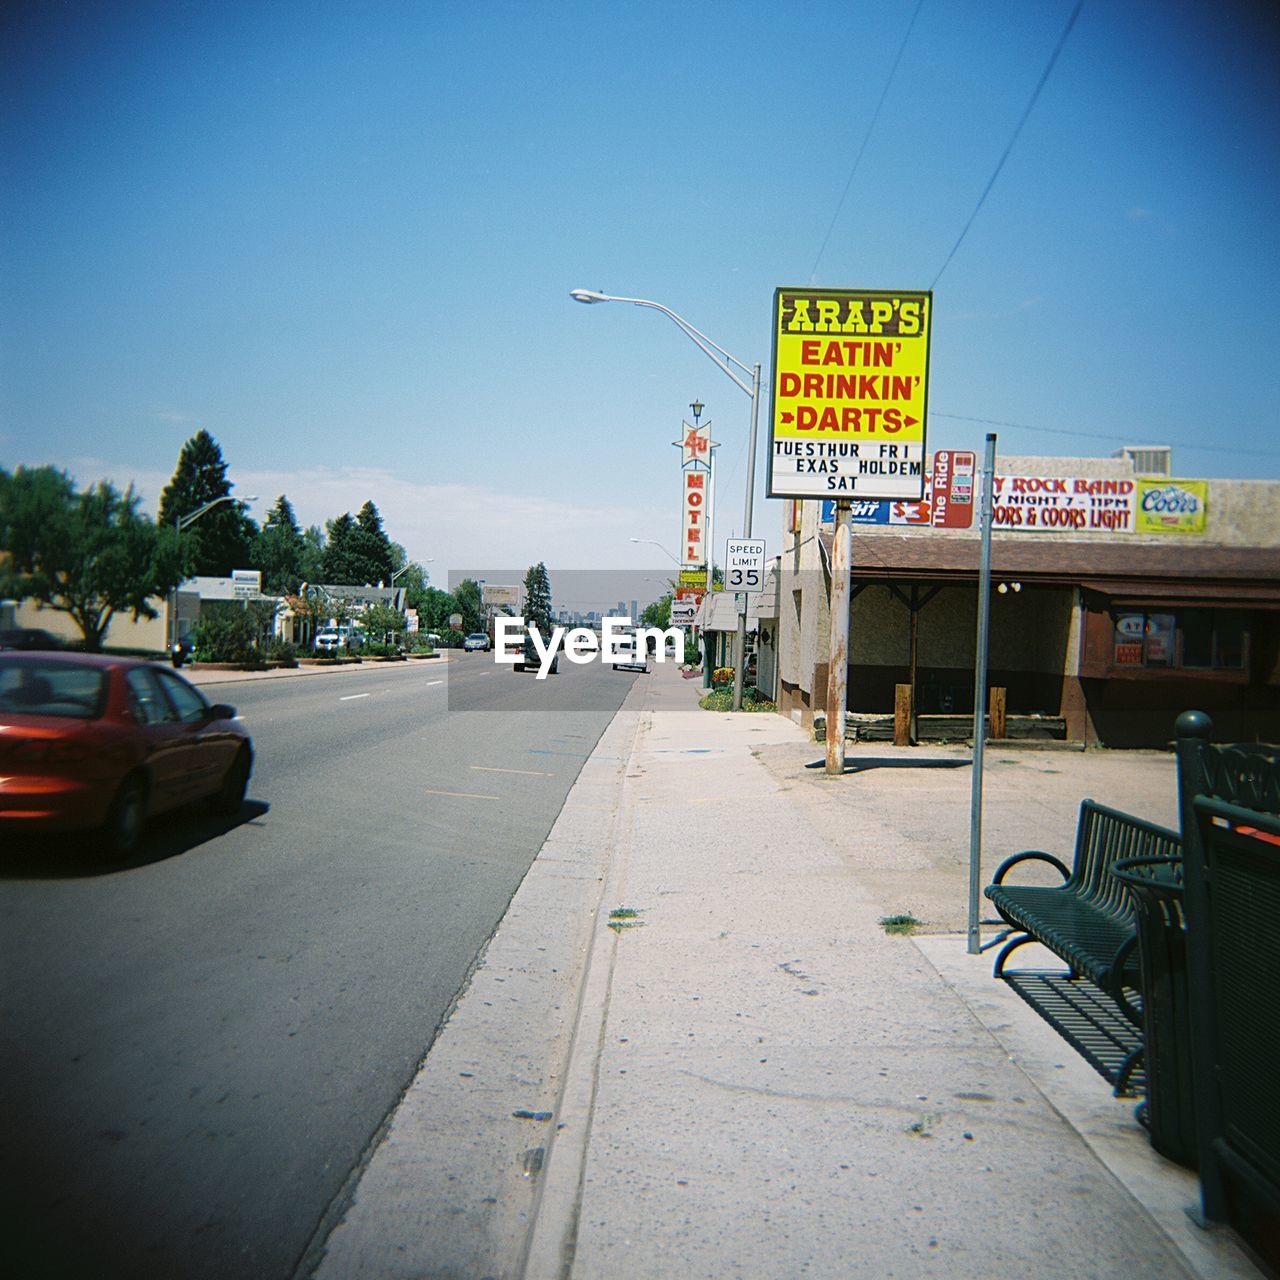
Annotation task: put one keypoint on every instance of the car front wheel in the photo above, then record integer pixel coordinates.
(230, 796)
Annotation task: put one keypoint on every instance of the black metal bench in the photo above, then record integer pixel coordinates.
(1087, 922)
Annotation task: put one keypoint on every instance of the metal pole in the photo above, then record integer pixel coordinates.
(838, 661)
(980, 697)
(709, 525)
(740, 645)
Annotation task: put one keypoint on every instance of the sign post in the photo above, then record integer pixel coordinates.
(838, 668)
(980, 698)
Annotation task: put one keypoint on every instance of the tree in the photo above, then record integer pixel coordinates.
(340, 565)
(90, 555)
(434, 607)
(358, 552)
(373, 544)
(537, 598)
(312, 565)
(468, 598)
(658, 614)
(221, 540)
(381, 621)
(279, 549)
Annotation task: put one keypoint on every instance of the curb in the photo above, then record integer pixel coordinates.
(549, 1244)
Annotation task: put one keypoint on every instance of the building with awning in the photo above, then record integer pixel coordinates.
(1119, 599)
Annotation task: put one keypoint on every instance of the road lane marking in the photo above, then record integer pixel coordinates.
(431, 682)
(349, 697)
(461, 795)
(528, 773)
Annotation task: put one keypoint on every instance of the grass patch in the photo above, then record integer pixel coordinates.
(902, 926)
(624, 918)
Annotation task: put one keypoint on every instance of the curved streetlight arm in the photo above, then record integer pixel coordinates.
(660, 547)
(712, 350)
(183, 521)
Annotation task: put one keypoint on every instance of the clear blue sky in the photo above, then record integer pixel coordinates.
(340, 237)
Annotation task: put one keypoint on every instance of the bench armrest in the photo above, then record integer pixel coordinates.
(1031, 855)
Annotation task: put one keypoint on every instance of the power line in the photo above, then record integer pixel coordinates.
(1112, 436)
(867, 138)
(1053, 58)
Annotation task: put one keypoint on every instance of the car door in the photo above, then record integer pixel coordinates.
(164, 738)
(210, 744)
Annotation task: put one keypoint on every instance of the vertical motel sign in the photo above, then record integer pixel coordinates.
(850, 391)
(695, 506)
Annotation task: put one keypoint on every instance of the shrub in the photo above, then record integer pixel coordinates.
(282, 652)
(722, 700)
(225, 636)
(451, 639)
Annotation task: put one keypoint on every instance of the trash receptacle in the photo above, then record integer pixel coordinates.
(1170, 1118)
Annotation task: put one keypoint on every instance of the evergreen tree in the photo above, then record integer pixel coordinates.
(374, 545)
(341, 563)
(537, 598)
(222, 538)
(278, 550)
(358, 552)
(468, 598)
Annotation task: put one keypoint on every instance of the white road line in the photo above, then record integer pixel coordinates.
(528, 773)
(431, 682)
(350, 697)
(462, 795)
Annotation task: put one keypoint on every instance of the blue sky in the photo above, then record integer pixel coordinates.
(340, 237)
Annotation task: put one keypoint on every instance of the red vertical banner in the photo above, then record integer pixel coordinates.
(953, 489)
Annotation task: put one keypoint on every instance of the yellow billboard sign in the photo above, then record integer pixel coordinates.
(1171, 506)
(850, 393)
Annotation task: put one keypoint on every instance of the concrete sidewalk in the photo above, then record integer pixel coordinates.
(742, 1075)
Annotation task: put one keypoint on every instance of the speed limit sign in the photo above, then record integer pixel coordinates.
(744, 565)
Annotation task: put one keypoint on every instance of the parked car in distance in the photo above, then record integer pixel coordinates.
(630, 656)
(530, 660)
(28, 638)
(96, 743)
(329, 641)
(476, 642)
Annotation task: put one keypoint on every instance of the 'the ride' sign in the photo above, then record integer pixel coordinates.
(850, 393)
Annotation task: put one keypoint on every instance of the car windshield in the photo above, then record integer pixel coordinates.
(31, 687)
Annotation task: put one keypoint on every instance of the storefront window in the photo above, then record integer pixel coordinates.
(1158, 643)
(1194, 639)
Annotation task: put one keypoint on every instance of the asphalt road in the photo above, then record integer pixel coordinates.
(199, 1049)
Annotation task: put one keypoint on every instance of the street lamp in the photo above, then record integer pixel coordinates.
(183, 522)
(660, 547)
(726, 364)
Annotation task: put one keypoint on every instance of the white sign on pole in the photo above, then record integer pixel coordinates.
(744, 565)
(683, 612)
(246, 584)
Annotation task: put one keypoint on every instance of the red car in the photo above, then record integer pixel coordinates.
(90, 742)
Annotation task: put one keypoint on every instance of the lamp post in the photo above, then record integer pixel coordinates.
(179, 524)
(726, 364)
(660, 547)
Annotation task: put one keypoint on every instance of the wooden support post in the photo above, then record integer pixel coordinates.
(903, 706)
(838, 654)
(999, 720)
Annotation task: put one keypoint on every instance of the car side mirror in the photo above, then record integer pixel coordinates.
(221, 711)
